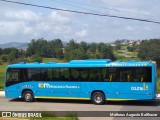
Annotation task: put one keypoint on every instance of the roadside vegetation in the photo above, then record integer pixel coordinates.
(41, 50)
(54, 117)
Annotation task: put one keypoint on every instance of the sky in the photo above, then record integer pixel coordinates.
(19, 23)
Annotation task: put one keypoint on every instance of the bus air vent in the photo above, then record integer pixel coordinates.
(22, 63)
(36, 62)
(92, 61)
(50, 62)
(131, 61)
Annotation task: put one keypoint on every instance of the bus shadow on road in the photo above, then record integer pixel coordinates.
(54, 101)
(64, 101)
(136, 103)
(124, 103)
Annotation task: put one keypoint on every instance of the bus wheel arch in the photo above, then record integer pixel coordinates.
(98, 97)
(27, 95)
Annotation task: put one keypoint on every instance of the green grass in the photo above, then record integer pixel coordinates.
(158, 82)
(124, 55)
(54, 117)
(52, 60)
(124, 47)
(2, 73)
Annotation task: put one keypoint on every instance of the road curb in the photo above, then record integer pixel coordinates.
(2, 93)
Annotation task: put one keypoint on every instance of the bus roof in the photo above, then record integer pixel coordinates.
(83, 63)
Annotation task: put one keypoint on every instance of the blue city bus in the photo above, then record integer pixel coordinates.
(97, 80)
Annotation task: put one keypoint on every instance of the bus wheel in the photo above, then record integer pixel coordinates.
(98, 98)
(28, 96)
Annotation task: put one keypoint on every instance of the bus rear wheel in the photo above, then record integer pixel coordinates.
(98, 98)
(28, 96)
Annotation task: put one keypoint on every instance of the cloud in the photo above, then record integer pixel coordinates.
(59, 17)
(23, 15)
(11, 28)
(27, 22)
(147, 28)
(129, 28)
(82, 33)
(117, 2)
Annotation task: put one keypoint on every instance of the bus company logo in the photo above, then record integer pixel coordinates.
(47, 85)
(145, 87)
(41, 85)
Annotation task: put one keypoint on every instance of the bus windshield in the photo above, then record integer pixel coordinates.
(12, 75)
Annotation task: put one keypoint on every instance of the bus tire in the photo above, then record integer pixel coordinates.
(28, 96)
(98, 98)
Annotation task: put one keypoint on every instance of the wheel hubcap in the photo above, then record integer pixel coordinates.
(98, 98)
(28, 96)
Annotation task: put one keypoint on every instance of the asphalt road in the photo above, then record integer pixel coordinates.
(72, 105)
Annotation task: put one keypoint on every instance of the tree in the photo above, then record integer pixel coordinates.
(46, 48)
(72, 45)
(105, 52)
(58, 48)
(92, 48)
(150, 50)
(39, 46)
(59, 53)
(36, 58)
(31, 49)
(76, 54)
(6, 50)
(83, 46)
(12, 56)
(4, 58)
(131, 48)
(118, 45)
(75, 51)
(1, 51)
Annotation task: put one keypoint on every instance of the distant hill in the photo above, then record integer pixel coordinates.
(14, 44)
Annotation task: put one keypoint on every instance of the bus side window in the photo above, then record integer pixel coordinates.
(105, 75)
(74, 74)
(9, 76)
(113, 74)
(110, 77)
(64, 74)
(13, 75)
(95, 74)
(142, 74)
(85, 74)
(50, 74)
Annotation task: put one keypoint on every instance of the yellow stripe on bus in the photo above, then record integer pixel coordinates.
(114, 99)
(62, 98)
(71, 98)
